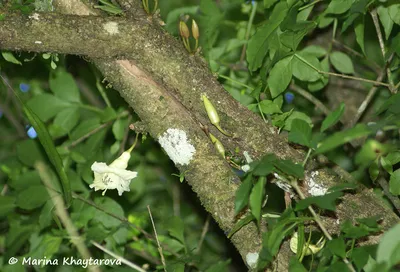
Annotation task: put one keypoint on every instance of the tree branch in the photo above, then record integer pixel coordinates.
(163, 84)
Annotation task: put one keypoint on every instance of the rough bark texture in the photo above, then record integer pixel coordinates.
(163, 84)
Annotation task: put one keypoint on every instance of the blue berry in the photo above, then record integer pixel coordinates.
(289, 97)
(31, 133)
(24, 87)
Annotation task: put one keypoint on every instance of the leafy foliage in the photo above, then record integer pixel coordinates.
(324, 73)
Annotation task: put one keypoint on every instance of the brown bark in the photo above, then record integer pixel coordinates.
(163, 84)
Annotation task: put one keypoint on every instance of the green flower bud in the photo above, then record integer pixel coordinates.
(184, 30)
(218, 145)
(195, 30)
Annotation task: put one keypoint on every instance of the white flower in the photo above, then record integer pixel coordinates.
(113, 176)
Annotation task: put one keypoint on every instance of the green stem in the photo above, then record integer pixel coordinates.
(262, 114)
(235, 81)
(102, 92)
(249, 24)
(309, 5)
(342, 75)
(307, 156)
(319, 222)
(88, 107)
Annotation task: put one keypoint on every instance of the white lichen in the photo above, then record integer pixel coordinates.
(176, 144)
(314, 188)
(111, 28)
(34, 16)
(251, 259)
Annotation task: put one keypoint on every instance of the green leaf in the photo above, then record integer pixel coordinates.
(387, 165)
(290, 168)
(280, 76)
(221, 266)
(7, 204)
(53, 106)
(393, 157)
(32, 197)
(273, 238)
(108, 205)
(258, 45)
(360, 257)
(303, 71)
(85, 127)
(333, 117)
(239, 224)
(342, 62)
(315, 51)
(323, 81)
(338, 247)
(353, 232)
(359, 30)
(342, 137)
(292, 38)
(394, 13)
(63, 85)
(300, 133)
(339, 6)
(373, 171)
(29, 152)
(394, 183)
(385, 19)
(326, 202)
(269, 3)
(119, 127)
(342, 187)
(8, 56)
(176, 228)
(243, 193)
(269, 107)
(263, 167)
(389, 247)
(256, 198)
(295, 265)
(296, 115)
(67, 119)
(49, 147)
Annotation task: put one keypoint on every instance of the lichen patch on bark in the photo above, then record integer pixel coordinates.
(176, 144)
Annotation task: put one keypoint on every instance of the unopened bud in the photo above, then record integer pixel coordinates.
(184, 30)
(195, 30)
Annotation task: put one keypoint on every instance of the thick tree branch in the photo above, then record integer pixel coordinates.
(163, 84)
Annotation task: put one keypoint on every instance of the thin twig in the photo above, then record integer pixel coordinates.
(94, 131)
(310, 98)
(61, 212)
(393, 199)
(203, 234)
(10, 117)
(343, 75)
(365, 103)
(249, 24)
(11, 91)
(382, 45)
(321, 225)
(123, 220)
(158, 242)
(122, 259)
